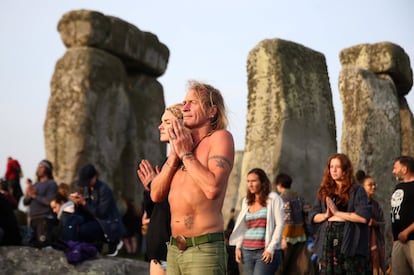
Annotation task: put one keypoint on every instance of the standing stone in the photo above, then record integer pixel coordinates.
(407, 128)
(371, 132)
(378, 124)
(106, 103)
(290, 120)
(388, 60)
(87, 111)
(232, 193)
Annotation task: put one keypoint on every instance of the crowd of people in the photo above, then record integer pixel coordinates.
(55, 215)
(275, 232)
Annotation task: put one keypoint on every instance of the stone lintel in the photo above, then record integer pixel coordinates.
(140, 51)
(381, 58)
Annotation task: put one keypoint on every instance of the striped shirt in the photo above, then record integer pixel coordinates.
(254, 238)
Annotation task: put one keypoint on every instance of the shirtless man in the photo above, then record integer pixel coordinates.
(194, 178)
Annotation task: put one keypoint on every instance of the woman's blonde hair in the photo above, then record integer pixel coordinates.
(176, 110)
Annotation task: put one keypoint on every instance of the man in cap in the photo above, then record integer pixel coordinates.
(97, 200)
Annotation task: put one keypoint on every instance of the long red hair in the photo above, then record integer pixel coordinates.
(328, 187)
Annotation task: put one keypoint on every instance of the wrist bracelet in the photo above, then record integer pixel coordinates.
(169, 165)
(185, 154)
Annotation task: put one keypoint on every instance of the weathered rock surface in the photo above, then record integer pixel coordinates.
(138, 50)
(27, 260)
(105, 103)
(232, 193)
(290, 120)
(88, 109)
(381, 58)
(407, 128)
(378, 125)
(371, 134)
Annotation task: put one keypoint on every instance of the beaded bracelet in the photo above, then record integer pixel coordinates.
(186, 154)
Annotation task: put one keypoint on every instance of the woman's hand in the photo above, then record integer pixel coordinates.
(283, 245)
(146, 173)
(330, 205)
(267, 257)
(238, 255)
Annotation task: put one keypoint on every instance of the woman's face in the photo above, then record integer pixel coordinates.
(253, 183)
(166, 121)
(335, 169)
(370, 186)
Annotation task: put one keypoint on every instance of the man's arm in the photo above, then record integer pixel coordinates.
(212, 178)
(403, 236)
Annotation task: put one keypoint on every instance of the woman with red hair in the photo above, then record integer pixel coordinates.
(342, 212)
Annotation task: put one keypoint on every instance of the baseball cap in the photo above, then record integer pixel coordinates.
(86, 173)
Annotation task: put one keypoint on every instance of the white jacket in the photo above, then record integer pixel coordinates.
(274, 224)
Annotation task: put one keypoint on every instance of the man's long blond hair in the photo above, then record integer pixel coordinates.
(210, 96)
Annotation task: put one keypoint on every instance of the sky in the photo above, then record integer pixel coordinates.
(208, 41)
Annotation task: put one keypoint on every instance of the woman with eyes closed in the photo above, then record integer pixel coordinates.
(159, 230)
(342, 212)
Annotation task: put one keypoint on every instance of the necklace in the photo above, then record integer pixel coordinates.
(181, 164)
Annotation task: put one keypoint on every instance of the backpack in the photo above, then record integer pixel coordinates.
(77, 252)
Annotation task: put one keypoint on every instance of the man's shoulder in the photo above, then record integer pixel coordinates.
(222, 133)
(222, 139)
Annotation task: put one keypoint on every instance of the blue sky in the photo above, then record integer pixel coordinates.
(208, 41)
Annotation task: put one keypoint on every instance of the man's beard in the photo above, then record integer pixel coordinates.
(399, 178)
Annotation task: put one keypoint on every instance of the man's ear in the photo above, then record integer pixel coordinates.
(404, 169)
(213, 111)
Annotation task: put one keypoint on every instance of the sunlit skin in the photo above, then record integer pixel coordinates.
(196, 194)
(146, 171)
(166, 121)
